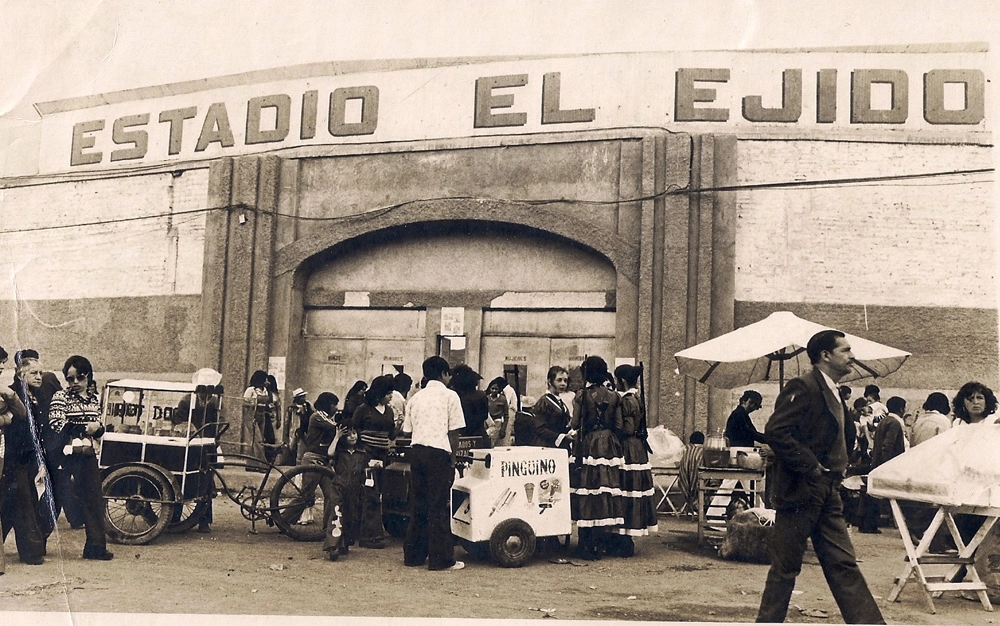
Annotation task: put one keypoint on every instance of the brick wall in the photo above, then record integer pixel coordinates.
(142, 257)
(124, 293)
(922, 242)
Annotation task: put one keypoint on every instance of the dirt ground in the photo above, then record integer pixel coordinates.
(233, 572)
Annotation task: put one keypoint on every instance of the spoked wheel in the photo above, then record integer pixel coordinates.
(138, 504)
(187, 515)
(297, 501)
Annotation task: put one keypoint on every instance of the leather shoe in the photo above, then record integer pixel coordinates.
(96, 555)
(38, 560)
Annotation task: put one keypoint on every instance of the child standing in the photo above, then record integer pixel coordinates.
(353, 463)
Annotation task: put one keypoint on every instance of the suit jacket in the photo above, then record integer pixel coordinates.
(805, 433)
(550, 419)
(889, 440)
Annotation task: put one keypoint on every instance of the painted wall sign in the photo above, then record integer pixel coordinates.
(675, 90)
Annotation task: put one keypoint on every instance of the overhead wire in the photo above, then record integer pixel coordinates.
(671, 190)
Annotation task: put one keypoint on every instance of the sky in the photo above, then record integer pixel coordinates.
(53, 49)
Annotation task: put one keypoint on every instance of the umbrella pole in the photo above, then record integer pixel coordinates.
(781, 371)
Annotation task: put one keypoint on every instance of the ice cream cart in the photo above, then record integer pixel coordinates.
(508, 497)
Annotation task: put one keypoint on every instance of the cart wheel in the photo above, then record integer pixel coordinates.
(187, 515)
(138, 504)
(297, 502)
(512, 543)
(478, 551)
(395, 524)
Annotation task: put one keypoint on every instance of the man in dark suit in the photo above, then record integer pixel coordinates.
(808, 435)
(888, 443)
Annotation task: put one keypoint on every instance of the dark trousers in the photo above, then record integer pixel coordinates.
(870, 514)
(67, 499)
(428, 537)
(371, 509)
(86, 478)
(334, 491)
(18, 509)
(822, 520)
(333, 517)
(363, 514)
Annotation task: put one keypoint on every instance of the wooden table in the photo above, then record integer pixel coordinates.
(732, 478)
(917, 556)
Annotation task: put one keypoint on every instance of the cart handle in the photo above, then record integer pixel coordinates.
(223, 427)
(487, 460)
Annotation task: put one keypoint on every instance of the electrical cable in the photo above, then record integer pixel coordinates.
(671, 190)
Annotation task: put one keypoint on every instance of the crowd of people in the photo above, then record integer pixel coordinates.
(602, 426)
(51, 433)
(50, 442)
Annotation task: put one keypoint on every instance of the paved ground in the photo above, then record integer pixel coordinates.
(233, 572)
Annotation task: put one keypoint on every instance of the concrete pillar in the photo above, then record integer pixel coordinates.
(673, 329)
(723, 292)
(239, 253)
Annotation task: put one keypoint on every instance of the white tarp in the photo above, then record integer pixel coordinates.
(961, 466)
(666, 446)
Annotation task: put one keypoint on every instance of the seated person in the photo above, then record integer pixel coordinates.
(687, 472)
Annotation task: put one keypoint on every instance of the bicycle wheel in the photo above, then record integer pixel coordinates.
(187, 515)
(138, 504)
(298, 499)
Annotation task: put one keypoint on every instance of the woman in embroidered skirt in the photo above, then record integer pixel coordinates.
(595, 480)
(639, 510)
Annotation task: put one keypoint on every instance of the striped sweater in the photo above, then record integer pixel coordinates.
(70, 412)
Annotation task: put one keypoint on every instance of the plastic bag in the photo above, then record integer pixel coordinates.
(957, 467)
(666, 446)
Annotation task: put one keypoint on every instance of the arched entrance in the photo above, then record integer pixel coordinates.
(527, 299)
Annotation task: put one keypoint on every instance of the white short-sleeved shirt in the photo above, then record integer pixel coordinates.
(431, 413)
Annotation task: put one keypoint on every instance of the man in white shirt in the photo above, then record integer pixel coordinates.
(433, 420)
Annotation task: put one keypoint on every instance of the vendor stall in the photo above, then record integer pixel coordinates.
(957, 473)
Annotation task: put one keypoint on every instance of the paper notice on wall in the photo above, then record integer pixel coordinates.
(276, 368)
(457, 343)
(452, 320)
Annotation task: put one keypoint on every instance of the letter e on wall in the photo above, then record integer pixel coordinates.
(82, 139)
(486, 101)
(685, 95)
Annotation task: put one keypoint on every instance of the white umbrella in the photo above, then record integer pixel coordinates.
(775, 349)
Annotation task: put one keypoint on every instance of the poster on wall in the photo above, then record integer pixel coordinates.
(276, 368)
(453, 322)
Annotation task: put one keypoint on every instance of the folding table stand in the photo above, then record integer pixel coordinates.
(669, 477)
(916, 556)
